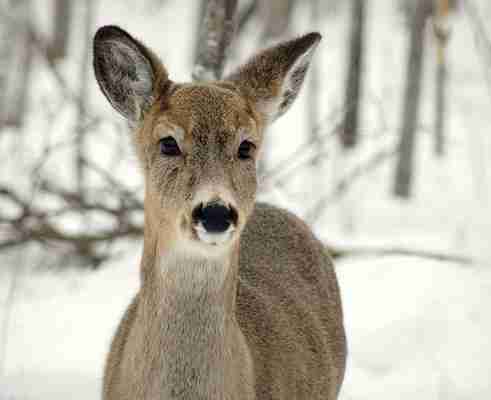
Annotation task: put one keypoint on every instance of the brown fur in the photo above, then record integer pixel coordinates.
(259, 318)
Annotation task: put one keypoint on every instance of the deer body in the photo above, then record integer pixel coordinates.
(238, 300)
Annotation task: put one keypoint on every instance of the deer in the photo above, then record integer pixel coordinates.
(238, 299)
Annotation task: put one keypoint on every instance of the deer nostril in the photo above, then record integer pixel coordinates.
(197, 214)
(215, 217)
(234, 217)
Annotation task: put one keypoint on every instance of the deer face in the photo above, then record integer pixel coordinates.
(198, 143)
(198, 149)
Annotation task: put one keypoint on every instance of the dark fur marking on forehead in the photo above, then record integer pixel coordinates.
(165, 91)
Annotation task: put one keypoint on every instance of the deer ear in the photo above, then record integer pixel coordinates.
(128, 73)
(273, 78)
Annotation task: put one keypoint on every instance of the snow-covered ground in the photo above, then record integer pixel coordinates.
(416, 328)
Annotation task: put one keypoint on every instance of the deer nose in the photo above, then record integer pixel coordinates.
(215, 217)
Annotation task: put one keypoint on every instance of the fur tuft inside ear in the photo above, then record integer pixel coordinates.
(273, 78)
(127, 72)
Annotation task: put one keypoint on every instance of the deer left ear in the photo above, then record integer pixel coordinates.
(128, 73)
(273, 78)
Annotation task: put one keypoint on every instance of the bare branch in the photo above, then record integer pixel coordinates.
(35, 224)
(344, 184)
(339, 252)
(320, 135)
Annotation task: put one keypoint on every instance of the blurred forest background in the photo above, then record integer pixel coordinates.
(386, 153)
(58, 189)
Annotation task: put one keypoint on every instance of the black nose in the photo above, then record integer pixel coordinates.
(215, 217)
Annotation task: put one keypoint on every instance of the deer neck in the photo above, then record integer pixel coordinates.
(189, 302)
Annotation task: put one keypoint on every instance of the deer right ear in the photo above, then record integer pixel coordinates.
(273, 78)
(128, 73)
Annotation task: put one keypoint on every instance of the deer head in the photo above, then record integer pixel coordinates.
(198, 143)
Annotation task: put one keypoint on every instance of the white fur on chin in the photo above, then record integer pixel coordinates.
(213, 238)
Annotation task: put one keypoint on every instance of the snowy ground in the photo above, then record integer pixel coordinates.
(416, 328)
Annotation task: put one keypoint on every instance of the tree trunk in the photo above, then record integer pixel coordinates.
(84, 74)
(410, 111)
(217, 32)
(314, 87)
(349, 136)
(199, 30)
(17, 61)
(276, 16)
(441, 105)
(441, 34)
(61, 29)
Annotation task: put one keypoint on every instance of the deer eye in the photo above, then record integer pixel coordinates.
(246, 150)
(169, 147)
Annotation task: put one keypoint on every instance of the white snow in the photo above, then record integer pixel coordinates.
(415, 329)
(60, 329)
